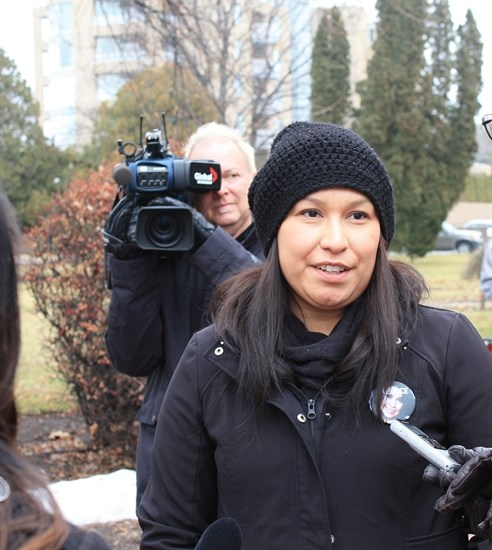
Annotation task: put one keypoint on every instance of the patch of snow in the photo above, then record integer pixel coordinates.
(97, 499)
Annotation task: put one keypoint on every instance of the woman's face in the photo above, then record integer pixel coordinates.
(392, 403)
(229, 206)
(327, 248)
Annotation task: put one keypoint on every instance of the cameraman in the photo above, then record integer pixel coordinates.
(160, 299)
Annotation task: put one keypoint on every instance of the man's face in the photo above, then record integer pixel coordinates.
(227, 207)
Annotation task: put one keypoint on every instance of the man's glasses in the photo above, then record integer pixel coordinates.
(487, 124)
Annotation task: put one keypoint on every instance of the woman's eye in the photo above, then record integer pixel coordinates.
(359, 215)
(310, 213)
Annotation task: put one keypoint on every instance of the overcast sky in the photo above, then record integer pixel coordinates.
(16, 35)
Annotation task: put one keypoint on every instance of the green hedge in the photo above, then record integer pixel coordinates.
(478, 189)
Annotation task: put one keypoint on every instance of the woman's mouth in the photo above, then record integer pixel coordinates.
(331, 268)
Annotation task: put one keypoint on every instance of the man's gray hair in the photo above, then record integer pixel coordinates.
(216, 130)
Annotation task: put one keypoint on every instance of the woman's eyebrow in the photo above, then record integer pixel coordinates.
(353, 204)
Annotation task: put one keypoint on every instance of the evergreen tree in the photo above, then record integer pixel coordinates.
(330, 70)
(417, 118)
(428, 213)
(463, 144)
(319, 72)
(30, 168)
(391, 101)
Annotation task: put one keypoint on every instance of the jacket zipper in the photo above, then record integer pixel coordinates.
(311, 413)
(311, 409)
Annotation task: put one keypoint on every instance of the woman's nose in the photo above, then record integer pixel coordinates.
(333, 237)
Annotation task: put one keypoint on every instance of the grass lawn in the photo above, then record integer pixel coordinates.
(449, 289)
(39, 388)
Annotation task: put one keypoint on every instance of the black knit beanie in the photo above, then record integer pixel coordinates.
(309, 156)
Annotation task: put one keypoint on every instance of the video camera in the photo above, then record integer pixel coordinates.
(150, 172)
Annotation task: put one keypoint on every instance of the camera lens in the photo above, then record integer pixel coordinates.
(164, 229)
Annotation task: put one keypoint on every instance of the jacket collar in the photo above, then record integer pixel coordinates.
(220, 356)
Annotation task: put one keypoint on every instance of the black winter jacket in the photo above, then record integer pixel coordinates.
(157, 304)
(360, 488)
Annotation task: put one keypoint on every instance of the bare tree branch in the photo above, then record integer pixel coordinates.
(242, 53)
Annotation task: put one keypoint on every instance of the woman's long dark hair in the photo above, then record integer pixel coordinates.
(9, 321)
(29, 517)
(250, 311)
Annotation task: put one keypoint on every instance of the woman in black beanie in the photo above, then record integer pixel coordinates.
(273, 416)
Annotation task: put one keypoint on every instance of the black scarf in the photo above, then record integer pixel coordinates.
(314, 356)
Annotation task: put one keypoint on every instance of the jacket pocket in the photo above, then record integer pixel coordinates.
(451, 539)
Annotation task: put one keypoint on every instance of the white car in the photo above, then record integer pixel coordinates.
(459, 240)
(483, 225)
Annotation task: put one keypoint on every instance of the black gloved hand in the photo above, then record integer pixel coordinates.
(471, 488)
(202, 228)
(117, 240)
(438, 478)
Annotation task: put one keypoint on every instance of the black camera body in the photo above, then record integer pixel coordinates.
(150, 172)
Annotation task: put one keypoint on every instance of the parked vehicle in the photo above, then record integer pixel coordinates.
(488, 343)
(460, 240)
(484, 225)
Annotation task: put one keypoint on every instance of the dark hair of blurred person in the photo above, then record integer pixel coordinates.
(29, 516)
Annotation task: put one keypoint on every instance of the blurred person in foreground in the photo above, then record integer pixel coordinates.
(268, 418)
(29, 516)
(159, 299)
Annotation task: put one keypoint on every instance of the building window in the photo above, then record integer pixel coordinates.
(66, 53)
(108, 85)
(259, 69)
(238, 86)
(57, 31)
(115, 12)
(112, 49)
(265, 29)
(259, 50)
(60, 128)
(61, 15)
(59, 93)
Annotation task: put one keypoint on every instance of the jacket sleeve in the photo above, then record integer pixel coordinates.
(133, 338)
(221, 257)
(136, 332)
(468, 384)
(455, 373)
(181, 498)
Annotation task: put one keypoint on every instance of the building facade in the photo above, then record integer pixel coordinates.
(85, 51)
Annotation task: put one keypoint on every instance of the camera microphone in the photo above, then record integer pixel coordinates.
(222, 534)
(122, 175)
